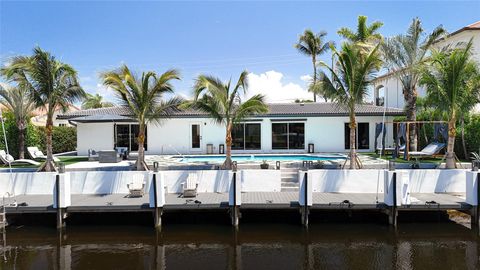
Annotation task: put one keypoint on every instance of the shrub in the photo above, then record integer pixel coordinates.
(64, 138)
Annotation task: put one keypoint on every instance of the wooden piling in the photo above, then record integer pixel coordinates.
(234, 209)
(60, 210)
(158, 211)
(393, 211)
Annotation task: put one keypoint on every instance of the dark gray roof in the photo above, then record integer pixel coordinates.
(275, 110)
(102, 118)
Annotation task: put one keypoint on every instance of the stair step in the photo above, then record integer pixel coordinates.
(289, 189)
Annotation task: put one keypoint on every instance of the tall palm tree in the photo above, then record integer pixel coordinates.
(51, 85)
(224, 104)
(364, 33)
(348, 86)
(17, 101)
(405, 54)
(95, 102)
(452, 79)
(145, 96)
(312, 45)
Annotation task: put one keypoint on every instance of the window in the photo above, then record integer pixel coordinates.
(62, 125)
(362, 136)
(246, 137)
(288, 136)
(127, 136)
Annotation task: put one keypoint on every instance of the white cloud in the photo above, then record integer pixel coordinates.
(306, 78)
(275, 90)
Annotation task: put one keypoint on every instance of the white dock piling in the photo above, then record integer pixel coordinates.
(235, 198)
(61, 197)
(305, 199)
(472, 197)
(393, 195)
(157, 198)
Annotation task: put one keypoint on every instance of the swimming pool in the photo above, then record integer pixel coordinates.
(257, 158)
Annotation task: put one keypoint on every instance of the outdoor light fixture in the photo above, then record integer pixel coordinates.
(61, 167)
(155, 166)
(475, 165)
(277, 165)
(391, 165)
(234, 166)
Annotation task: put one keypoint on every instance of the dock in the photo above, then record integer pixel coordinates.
(318, 190)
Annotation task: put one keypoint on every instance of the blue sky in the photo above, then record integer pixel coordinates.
(220, 37)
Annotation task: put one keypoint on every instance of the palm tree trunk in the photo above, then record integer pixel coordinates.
(49, 166)
(411, 110)
(450, 159)
(227, 165)
(21, 139)
(353, 153)
(141, 165)
(314, 60)
(464, 145)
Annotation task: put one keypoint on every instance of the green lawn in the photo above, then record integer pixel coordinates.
(401, 160)
(67, 160)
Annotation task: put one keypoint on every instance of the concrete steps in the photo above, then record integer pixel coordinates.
(289, 178)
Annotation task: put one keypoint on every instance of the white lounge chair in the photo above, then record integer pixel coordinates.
(430, 150)
(190, 186)
(36, 154)
(136, 186)
(8, 159)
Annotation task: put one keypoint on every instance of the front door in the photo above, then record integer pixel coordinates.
(195, 137)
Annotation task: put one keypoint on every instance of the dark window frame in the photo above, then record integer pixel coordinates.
(346, 133)
(132, 137)
(242, 141)
(289, 142)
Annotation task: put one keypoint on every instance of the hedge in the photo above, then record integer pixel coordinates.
(64, 138)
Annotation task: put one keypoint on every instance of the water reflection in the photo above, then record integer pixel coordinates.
(254, 246)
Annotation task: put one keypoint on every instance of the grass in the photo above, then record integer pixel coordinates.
(401, 160)
(67, 160)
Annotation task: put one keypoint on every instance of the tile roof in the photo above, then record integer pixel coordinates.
(275, 110)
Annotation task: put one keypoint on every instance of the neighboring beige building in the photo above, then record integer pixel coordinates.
(39, 117)
(387, 87)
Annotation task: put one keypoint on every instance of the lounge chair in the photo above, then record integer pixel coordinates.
(136, 186)
(431, 150)
(9, 160)
(190, 186)
(36, 154)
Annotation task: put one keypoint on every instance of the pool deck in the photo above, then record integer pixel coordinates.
(250, 200)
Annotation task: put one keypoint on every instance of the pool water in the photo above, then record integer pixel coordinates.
(253, 158)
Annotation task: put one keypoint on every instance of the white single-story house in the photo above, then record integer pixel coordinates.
(286, 128)
(388, 89)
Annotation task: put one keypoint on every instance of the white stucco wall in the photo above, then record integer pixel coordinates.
(97, 136)
(326, 133)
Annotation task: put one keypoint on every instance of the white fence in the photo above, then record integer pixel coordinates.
(115, 182)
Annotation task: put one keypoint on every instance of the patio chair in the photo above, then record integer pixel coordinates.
(9, 160)
(190, 186)
(431, 150)
(92, 155)
(36, 154)
(136, 186)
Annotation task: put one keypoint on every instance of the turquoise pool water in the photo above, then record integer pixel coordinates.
(246, 158)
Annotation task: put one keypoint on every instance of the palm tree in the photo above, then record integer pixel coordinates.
(17, 101)
(405, 54)
(364, 33)
(224, 104)
(51, 85)
(144, 96)
(312, 45)
(348, 86)
(95, 102)
(452, 80)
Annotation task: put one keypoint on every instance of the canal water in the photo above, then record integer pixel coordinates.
(262, 245)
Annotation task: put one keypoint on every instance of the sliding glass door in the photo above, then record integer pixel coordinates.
(126, 135)
(288, 136)
(362, 136)
(246, 136)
